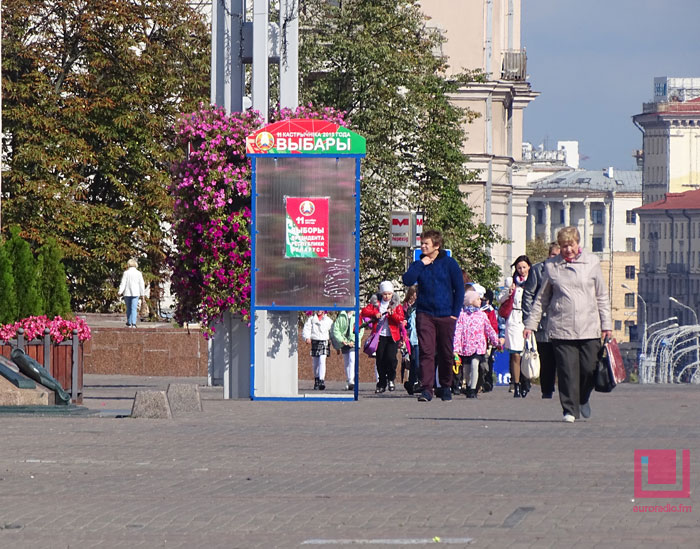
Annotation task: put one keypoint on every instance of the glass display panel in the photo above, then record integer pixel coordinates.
(303, 256)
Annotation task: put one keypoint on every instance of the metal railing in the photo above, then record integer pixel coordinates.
(45, 341)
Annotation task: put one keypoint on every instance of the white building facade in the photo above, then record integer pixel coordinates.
(670, 126)
(601, 204)
(485, 34)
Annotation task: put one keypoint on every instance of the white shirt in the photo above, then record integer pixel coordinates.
(132, 284)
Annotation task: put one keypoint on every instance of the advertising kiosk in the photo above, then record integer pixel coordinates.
(305, 243)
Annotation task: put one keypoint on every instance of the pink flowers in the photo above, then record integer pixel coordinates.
(59, 329)
(211, 191)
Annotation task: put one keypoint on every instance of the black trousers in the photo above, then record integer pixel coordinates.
(576, 360)
(548, 368)
(386, 360)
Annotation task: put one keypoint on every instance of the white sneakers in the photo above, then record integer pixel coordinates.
(568, 418)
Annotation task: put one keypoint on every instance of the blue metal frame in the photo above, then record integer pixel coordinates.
(253, 308)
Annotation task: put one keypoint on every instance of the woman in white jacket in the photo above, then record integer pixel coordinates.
(132, 287)
(317, 331)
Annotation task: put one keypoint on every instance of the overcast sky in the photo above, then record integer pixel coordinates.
(594, 62)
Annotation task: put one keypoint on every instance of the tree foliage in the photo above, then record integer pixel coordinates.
(91, 89)
(537, 250)
(53, 286)
(24, 274)
(8, 298)
(374, 60)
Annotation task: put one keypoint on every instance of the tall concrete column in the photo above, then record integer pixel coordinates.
(607, 228)
(567, 213)
(531, 218)
(261, 10)
(547, 221)
(586, 225)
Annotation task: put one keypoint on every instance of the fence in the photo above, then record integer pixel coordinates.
(64, 360)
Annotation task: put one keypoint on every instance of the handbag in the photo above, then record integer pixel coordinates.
(506, 307)
(530, 359)
(609, 370)
(372, 342)
(144, 310)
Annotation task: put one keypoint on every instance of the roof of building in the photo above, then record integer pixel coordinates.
(624, 181)
(689, 200)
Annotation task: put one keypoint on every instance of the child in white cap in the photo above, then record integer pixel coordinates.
(386, 314)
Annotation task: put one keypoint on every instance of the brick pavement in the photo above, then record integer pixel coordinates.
(499, 471)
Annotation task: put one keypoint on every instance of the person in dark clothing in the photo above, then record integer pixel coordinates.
(440, 299)
(544, 346)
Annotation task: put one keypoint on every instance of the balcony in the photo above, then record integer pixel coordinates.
(677, 268)
(514, 66)
(650, 267)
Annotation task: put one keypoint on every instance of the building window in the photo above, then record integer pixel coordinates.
(631, 244)
(618, 325)
(597, 243)
(631, 217)
(628, 327)
(597, 216)
(561, 216)
(629, 301)
(629, 272)
(540, 216)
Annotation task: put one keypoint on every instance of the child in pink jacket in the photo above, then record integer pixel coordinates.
(473, 327)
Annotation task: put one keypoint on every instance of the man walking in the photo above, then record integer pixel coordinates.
(440, 300)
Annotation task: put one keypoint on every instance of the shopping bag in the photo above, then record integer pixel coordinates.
(610, 369)
(530, 359)
(144, 310)
(372, 342)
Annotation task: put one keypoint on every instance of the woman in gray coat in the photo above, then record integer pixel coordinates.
(574, 296)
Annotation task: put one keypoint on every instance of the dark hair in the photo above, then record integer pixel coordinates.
(435, 236)
(411, 291)
(488, 295)
(520, 258)
(553, 245)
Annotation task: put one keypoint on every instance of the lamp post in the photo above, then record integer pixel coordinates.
(697, 339)
(644, 332)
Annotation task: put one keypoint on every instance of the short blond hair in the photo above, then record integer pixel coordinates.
(568, 234)
(132, 263)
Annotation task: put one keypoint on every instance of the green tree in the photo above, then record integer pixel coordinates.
(375, 60)
(537, 250)
(25, 276)
(91, 90)
(8, 299)
(53, 285)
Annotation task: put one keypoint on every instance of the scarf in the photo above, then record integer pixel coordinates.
(469, 309)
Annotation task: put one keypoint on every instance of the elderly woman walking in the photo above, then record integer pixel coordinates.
(132, 287)
(574, 296)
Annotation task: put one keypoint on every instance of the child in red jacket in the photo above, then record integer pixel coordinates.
(386, 314)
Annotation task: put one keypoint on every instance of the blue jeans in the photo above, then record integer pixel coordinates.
(132, 303)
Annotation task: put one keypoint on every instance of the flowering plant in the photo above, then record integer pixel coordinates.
(211, 191)
(59, 329)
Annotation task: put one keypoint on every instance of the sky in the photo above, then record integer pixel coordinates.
(594, 63)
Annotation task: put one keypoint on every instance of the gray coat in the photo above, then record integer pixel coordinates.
(574, 297)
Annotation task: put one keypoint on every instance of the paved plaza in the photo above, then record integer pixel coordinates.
(384, 471)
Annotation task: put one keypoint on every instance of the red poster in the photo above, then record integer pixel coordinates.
(307, 226)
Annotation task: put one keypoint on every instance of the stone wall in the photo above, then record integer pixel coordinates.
(161, 351)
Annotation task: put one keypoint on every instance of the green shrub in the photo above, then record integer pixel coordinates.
(24, 273)
(8, 298)
(53, 284)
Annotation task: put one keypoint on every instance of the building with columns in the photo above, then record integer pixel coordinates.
(670, 256)
(670, 126)
(485, 34)
(601, 204)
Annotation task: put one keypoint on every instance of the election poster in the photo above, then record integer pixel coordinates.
(307, 226)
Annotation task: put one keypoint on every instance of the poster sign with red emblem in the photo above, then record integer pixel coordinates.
(307, 226)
